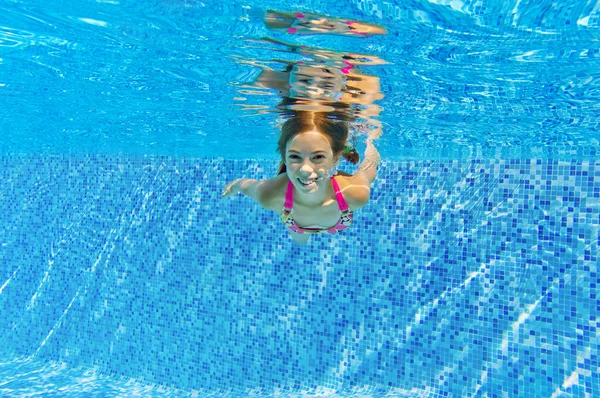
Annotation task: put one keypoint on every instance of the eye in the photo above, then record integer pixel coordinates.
(325, 85)
(293, 157)
(319, 157)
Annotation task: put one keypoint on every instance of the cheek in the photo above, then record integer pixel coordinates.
(323, 172)
(324, 168)
(291, 168)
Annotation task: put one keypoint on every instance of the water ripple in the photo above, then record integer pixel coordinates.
(458, 77)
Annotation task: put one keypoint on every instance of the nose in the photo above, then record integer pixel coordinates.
(306, 168)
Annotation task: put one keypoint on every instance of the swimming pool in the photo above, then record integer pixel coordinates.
(473, 271)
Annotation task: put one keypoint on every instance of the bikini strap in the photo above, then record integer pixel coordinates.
(338, 196)
(289, 197)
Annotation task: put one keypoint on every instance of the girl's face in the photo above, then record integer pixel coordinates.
(308, 159)
(316, 82)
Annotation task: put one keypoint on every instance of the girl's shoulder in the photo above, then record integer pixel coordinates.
(272, 195)
(356, 190)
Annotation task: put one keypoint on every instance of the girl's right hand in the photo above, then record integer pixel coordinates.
(232, 188)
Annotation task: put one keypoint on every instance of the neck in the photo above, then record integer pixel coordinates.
(320, 197)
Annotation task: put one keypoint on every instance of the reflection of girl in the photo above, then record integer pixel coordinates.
(325, 80)
(309, 23)
(317, 82)
(310, 196)
(320, 87)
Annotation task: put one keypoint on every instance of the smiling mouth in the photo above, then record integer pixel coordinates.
(306, 182)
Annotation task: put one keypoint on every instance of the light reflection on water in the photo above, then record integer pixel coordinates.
(29, 378)
(23, 377)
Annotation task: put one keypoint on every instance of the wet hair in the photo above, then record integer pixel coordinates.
(302, 122)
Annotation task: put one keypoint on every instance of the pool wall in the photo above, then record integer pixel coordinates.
(460, 278)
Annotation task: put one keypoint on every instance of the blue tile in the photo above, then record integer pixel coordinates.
(459, 276)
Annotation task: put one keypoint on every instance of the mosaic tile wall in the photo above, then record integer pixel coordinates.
(461, 278)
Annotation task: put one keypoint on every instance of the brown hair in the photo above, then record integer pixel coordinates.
(302, 122)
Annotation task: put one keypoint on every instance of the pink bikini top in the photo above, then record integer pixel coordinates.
(343, 223)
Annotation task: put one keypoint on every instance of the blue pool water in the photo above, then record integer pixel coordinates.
(472, 271)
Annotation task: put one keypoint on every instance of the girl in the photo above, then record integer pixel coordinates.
(308, 193)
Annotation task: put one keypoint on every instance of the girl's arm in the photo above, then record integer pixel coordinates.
(368, 167)
(246, 186)
(264, 192)
(358, 186)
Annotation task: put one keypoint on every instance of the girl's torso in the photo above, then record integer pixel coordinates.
(323, 216)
